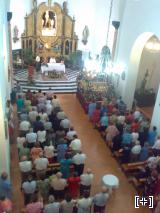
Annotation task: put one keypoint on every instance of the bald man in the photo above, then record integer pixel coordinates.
(86, 181)
(100, 200)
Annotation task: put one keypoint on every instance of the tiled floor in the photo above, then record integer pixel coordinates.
(99, 159)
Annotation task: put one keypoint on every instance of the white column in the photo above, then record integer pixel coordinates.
(156, 113)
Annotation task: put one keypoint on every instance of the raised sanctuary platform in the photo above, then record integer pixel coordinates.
(66, 84)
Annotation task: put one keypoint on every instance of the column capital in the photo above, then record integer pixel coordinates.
(116, 24)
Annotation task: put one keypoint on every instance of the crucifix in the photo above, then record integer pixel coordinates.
(49, 3)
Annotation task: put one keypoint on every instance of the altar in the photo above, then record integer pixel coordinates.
(53, 67)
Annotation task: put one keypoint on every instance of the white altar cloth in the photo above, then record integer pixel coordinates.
(58, 67)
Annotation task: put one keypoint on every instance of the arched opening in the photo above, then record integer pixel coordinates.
(141, 60)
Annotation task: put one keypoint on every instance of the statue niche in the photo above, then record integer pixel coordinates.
(51, 31)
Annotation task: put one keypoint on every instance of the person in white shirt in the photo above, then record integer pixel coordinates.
(65, 124)
(135, 151)
(43, 115)
(29, 188)
(135, 136)
(52, 207)
(31, 138)
(58, 185)
(100, 200)
(49, 107)
(76, 144)
(84, 204)
(137, 115)
(55, 101)
(121, 119)
(70, 134)
(33, 114)
(41, 165)
(20, 142)
(49, 153)
(47, 125)
(157, 144)
(25, 167)
(24, 127)
(86, 182)
(78, 161)
(41, 136)
(61, 115)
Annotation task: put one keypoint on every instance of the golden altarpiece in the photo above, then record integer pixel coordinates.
(49, 31)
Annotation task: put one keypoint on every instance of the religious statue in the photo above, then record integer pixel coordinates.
(85, 35)
(144, 82)
(34, 3)
(15, 34)
(65, 7)
(48, 20)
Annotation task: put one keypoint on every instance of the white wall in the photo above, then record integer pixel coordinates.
(139, 16)
(93, 13)
(19, 8)
(4, 85)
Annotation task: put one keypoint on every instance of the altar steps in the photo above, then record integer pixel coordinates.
(57, 86)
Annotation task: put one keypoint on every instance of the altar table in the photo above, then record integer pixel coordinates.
(51, 67)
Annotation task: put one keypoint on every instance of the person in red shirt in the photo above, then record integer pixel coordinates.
(73, 185)
(5, 205)
(135, 126)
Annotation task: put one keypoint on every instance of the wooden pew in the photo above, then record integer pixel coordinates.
(133, 167)
(139, 184)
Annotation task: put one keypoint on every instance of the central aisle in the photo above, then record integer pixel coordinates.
(99, 158)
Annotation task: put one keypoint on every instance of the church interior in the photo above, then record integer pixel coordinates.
(79, 106)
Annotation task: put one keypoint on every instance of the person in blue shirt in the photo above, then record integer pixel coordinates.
(104, 122)
(152, 134)
(91, 108)
(144, 154)
(5, 186)
(126, 138)
(65, 166)
(103, 110)
(20, 104)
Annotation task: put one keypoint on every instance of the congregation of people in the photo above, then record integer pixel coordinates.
(130, 136)
(51, 160)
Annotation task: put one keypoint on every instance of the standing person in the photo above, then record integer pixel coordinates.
(78, 161)
(29, 188)
(25, 167)
(5, 185)
(6, 205)
(41, 165)
(65, 166)
(84, 204)
(111, 132)
(52, 207)
(61, 151)
(152, 134)
(91, 108)
(86, 182)
(73, 185)
(58, 185)
(67, 205)
(35, 206)
(75, 144)
(100, 200)
(20, 104)
(38, 63)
